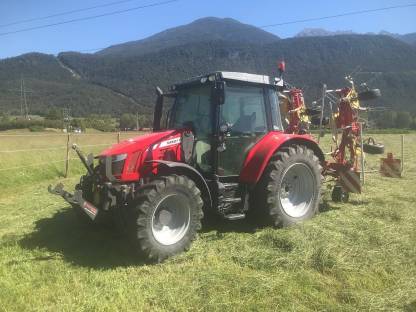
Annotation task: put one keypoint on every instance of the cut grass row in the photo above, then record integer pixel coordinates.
(355, 256)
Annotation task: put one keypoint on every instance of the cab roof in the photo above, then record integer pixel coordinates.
(228, 76)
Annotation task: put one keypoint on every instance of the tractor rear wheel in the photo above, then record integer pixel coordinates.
(289, 191)
(166, 216)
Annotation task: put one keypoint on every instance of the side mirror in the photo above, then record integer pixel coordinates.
(219, 92)
(225, 128)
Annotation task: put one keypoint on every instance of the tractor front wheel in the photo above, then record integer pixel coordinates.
(167, 215)
(290, 187)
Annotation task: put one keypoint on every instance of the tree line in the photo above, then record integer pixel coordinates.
(393, 119)
(55, 119)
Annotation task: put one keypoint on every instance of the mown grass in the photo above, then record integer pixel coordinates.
(351, 257)
(42, 155)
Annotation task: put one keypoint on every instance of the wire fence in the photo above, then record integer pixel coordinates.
(8, 154)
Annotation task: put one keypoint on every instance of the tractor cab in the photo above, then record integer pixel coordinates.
(228, 113)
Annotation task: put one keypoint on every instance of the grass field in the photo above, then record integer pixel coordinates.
(358, 256)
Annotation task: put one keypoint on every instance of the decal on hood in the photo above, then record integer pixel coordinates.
(170, 142)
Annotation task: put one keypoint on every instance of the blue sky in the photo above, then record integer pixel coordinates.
(102, 32)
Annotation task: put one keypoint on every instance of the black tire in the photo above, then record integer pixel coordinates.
(269, 192)
(339, 195)
(154, 203)
(373, 148)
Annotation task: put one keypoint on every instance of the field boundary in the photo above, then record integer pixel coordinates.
(65, 146)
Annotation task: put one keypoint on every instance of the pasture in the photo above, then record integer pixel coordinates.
(353, 256)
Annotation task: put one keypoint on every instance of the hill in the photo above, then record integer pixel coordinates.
(204, 29)
(320, 32)
(50, 84)
(122, 78)
(409, 38)
(311, 61)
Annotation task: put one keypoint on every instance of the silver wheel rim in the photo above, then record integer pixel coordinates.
(297, 190)
(171, 219)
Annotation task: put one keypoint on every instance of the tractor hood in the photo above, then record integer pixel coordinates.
(139, 143)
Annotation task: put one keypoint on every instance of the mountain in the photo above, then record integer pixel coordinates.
(122, 78)
(408, 38)
(320, 32)
(205, 29)
(388, 63)
(50, 84)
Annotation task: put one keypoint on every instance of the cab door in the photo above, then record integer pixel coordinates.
(244, 110)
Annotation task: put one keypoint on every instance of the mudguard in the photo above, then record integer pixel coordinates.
(261, 153)
(192, 173)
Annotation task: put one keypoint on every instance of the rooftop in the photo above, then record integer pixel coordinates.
(226, 75)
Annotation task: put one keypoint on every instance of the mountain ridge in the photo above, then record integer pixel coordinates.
(409, 38)
(117, 83)
(204, 29)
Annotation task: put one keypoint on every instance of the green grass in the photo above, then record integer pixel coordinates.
(351, 257)
(43, 154)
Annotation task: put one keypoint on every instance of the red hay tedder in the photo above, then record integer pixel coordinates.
(223, 150)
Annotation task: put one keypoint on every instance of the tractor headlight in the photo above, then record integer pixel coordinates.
(117, 163)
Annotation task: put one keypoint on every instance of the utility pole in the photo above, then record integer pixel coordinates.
(21, 97)
(66, 115)
(24, 107)
(25, 100)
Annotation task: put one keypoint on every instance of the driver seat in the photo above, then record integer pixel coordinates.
(245, 123)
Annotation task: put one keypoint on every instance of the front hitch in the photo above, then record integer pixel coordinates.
(75, 199)
(87, 163)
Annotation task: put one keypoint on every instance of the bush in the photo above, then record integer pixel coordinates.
(36, 128)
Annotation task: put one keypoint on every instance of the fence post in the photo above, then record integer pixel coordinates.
(68, 148)
(402, 150)
(362, 154)
(118, 137)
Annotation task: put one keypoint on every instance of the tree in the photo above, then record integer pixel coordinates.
(4, 117)
(413, 125)
(387, 119)
(128, 121)
(54, 114)
(403, 120)
(100, 122)
(78, 123)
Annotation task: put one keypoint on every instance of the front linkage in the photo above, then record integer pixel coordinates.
(93, 195)
(75, 199)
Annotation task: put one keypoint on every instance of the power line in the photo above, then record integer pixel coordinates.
(64, 13)
(339, 15)
(89, 17)
(300, 20)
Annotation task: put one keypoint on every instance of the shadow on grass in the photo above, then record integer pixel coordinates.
(81, 244)
(327, 206)
(104, 247)
(214, 223)
(411, 307)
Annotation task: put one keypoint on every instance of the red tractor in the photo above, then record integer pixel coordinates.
(222, 151)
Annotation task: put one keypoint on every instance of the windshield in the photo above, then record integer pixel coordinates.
(192, 109)
(244, 109)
